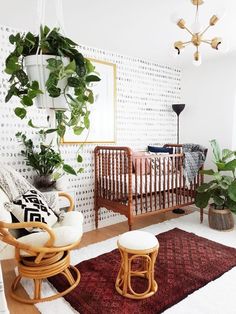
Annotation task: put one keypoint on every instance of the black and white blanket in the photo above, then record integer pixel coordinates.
(194, 159)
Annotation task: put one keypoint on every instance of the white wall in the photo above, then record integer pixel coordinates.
(209, 93)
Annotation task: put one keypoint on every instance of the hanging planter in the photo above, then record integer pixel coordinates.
(54, 82)
(37, 70)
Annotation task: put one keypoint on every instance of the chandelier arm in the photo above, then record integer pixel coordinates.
(205, 30)
(188, 30)
(206, 41)
(187, 43)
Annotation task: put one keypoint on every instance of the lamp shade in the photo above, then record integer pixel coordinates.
(178, 108)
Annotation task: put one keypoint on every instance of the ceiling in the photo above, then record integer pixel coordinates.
(140, 28)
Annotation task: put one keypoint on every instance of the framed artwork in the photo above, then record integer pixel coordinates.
(102, 111)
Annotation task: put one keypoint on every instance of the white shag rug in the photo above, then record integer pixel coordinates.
(217, 297)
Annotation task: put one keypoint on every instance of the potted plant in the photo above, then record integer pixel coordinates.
(220, 192)
(45, 161)
(50, 68)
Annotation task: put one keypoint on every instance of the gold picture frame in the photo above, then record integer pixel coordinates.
(103, 111)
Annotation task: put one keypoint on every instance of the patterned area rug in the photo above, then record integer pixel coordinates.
(186, 262)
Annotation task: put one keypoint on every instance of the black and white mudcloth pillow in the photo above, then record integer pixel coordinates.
(31, 206)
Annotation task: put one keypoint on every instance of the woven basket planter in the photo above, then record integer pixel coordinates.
(220, 219)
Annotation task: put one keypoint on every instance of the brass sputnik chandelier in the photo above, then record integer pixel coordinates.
(197, 33)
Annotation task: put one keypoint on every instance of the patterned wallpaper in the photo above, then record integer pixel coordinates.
(145, 92)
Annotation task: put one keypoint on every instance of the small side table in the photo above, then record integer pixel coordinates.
(139, 248)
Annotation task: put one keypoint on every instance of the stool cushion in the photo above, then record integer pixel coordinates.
(138, 240)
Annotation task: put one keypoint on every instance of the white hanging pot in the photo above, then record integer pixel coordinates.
(36, 67)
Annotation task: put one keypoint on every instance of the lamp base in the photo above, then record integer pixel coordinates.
(178, 211)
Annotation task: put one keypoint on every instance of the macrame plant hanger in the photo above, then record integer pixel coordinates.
(45, 98)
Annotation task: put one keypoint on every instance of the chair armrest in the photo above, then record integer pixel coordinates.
(6, 236)
(70, 199)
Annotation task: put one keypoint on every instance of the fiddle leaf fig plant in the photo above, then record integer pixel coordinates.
(222, 188)
(79, 74)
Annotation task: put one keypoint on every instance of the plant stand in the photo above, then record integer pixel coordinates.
(220, 219)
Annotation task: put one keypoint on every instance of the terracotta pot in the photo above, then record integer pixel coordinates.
(220, 219)
(36, 67)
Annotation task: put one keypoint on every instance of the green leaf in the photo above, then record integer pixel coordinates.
(35, 85)
(20, 112)
(86, 120)
(48, 131)
(227, 179)
(219, 201)
(30, 123)
(202, 199)
(54, 64)
(217, 176)
(78, 130)
(54, 91)
(11, 92)
(81, 170)
(231, 205)
(220, 166)
(61, 130)
(92, 78)
(73, 82)
(91, 98)
(69, 169)
(27, 101)
(205, 186)
(232, 191)
(22, 77)
(89, 66)
(79, 158)
(70, 68)
(226, 154)
(12, 39)
(216, 150)
(209, 172)
(230, 166)
(12, 65)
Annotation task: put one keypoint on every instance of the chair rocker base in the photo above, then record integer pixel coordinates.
(48, 267)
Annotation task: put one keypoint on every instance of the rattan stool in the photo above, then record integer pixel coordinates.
(138, 247)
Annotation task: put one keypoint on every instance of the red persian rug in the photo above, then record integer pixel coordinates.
(186, 262)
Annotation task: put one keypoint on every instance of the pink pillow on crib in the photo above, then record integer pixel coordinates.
(140, 158)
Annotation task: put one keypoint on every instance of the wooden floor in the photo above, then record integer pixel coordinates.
(88, 238)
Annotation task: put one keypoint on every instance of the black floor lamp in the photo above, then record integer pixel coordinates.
(178, 108)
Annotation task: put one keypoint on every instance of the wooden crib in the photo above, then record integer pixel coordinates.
(141, 185)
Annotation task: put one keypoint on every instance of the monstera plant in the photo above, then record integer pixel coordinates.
(49, 68)
(220, 192)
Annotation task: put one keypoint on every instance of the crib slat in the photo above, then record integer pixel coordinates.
(164, 182)
(141, 184)
(159, 180)
(121, 169)
(168, 181)
(113, 176)
(117, 179)
(150, 190)
(146, 185)
(136, 186)
(155, 181)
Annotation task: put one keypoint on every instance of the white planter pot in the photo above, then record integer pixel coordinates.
(37, 71)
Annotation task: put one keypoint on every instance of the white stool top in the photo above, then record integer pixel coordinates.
(138, 240)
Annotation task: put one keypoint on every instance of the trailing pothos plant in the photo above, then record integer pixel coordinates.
(79, 73)
(222, 188)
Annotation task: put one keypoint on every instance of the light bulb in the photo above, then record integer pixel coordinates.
(197, 63)
(175, 18)
(196, 27)
(223, 46)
